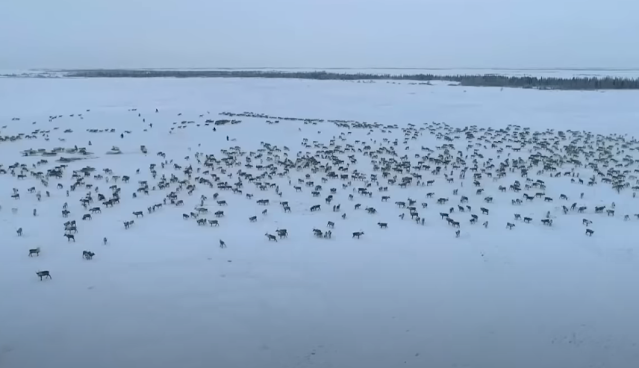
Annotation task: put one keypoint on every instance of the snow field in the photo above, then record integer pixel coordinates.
(164, 294)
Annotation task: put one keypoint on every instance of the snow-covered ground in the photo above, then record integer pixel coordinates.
(164, 294)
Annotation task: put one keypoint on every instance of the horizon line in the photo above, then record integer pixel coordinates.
(350, 68)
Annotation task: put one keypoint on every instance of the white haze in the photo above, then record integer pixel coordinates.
(318, 33)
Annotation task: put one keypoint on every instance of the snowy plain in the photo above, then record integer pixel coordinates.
(163, 293)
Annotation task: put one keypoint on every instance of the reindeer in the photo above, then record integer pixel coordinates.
(358, 234)
(271, 237)
(43, 274)
(282, 233)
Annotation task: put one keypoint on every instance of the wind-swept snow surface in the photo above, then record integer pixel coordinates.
(163, 293)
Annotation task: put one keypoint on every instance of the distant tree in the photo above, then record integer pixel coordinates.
(486, 80)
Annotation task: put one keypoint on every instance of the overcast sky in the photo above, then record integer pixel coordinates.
(318, 33)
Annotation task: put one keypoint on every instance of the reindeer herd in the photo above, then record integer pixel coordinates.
(366, 162)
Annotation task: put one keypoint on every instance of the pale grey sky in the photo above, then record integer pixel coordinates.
(318, 33)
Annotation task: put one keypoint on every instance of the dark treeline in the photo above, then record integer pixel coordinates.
(487, 80)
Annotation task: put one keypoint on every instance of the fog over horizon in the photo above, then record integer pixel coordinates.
(521, 34)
